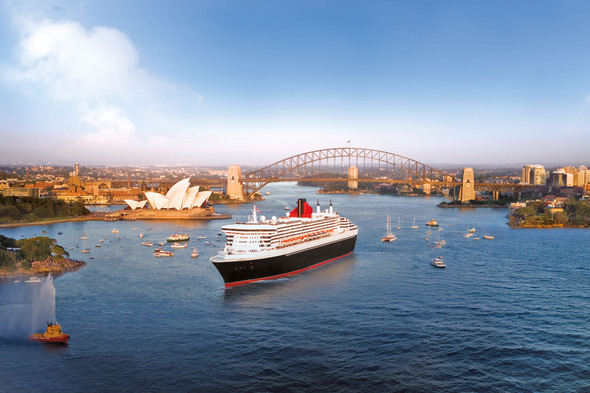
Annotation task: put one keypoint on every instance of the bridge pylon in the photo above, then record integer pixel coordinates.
(353, 175)
(467, 192)
(235, 189)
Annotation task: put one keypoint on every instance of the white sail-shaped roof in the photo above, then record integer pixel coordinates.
(135, 204)
(189, 197)
(201, 198)
(179, 197)
(176, 194)
(158, 201)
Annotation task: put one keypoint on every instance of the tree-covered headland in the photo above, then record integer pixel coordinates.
(538, 214)
(28, 209)
(37, 255)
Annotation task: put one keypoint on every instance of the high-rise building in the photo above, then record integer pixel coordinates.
(526, 174)
(558, 178)
(539, 175)
(583, 176)
(534, 174)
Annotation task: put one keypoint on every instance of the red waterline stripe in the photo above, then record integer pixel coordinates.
(233, 284)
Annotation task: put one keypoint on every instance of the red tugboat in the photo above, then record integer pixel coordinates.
(52, 335)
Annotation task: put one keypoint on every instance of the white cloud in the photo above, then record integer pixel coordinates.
(112, 125)
(97, 71)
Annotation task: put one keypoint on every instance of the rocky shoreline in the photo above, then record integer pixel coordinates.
(52, 266)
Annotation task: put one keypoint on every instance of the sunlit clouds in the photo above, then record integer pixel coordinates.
(97, 71)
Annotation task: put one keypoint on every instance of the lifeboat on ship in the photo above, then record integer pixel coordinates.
(53, 334)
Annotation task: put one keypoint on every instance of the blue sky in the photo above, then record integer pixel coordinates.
(251, 82)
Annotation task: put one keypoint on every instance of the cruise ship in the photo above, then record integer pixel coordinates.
(264, 248)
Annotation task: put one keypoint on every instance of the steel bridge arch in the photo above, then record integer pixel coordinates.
(255, 180)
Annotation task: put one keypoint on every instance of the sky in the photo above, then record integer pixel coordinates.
(250, 82)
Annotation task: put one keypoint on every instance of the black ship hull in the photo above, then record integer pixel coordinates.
(242, 272)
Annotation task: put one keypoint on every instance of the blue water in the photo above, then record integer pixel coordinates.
(506, 315)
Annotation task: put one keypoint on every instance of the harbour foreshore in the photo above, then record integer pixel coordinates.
(44, 268)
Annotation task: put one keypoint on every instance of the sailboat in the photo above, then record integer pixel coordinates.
(414, 226)
(389, 237)
(399, 226)
(439, 243)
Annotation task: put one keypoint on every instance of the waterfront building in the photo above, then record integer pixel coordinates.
(32, 192)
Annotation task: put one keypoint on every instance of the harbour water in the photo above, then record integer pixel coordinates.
(506, 315)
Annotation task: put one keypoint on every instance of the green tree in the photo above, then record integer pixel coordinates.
(7, 259)
(7, 242)
(35, 249)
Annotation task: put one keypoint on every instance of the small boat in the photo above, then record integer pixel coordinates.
(389, 237)
(268, 193)
(179, 245)
(467, 235)
(53, 334)
(471, 230)
(101, 240)
(439, 243)
(141, 235)
(85, 250)
(135, 228)
(438, 262)
(70, 248)
(98, 245)
(202, 237)
(114, 230)
(149, 244)
(178, 238)
(489, 237)
(159, 253)
(207, 242)
(287, 208)
(60, 233)
(432, 223)
(194, 254)
(476, 238)
(33, 280)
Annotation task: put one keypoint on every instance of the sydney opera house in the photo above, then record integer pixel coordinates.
(179, 197)
(180, 202)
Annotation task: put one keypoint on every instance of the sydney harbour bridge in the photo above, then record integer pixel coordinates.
(354, 165)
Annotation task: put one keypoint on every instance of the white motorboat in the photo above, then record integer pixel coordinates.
(438, 262)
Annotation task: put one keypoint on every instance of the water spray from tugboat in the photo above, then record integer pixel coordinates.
(26, 306)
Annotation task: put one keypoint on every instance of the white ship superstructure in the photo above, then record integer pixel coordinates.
(263, 238)
(301, 240)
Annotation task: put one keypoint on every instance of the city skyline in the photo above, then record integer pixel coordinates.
(213, 83)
